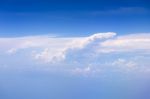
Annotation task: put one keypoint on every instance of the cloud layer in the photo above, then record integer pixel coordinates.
(83, 55)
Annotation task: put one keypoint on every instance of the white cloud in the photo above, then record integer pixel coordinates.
(11, 51)
(83, 71)
(86, 71)
(125, 65)
(51, 56)
(79, 52)
(53, 48)
(59, 53)
(128, 43)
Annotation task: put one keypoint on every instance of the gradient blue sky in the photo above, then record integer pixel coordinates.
(74, 49)
(73, 17)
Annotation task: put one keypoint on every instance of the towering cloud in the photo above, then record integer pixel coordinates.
(52, 48)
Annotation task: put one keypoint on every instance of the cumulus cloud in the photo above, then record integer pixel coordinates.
(50, 56)
(52, 48)
(126, 65)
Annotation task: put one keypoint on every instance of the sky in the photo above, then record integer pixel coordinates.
(73, 17)
(74, 49)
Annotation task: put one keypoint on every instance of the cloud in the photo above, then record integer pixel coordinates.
(54, 49)
(123, 62)
(122, 11)
(47, 56)
(126, 65)
(12, 45)
(51, 49)
(100, 52)
(86, 71)
(103, 42)
(83, 71)
(128, 43)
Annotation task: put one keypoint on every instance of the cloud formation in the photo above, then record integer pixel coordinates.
(52, 48)
(82, 55)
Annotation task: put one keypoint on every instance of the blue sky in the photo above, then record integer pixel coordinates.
(74, 49)
(73, 18)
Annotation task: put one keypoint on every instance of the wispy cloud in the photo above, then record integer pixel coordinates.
(122, 11)
(134, 42)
